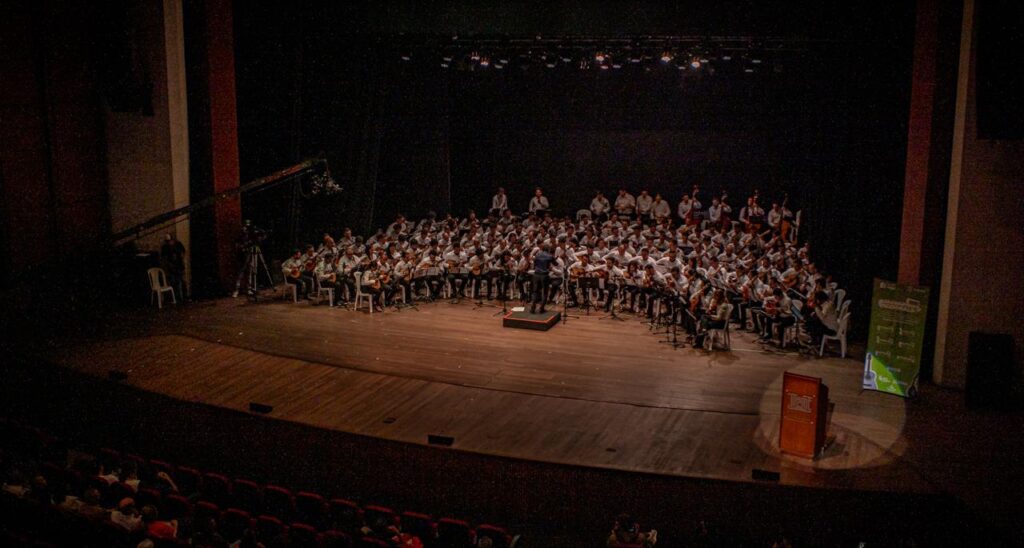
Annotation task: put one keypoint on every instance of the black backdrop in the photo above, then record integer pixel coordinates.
(826, 125)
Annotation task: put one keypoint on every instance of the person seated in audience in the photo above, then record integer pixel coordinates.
(90, 506)
(627, 531)
(155, 528)
(127, 516)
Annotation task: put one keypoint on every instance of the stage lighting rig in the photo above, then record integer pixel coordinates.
(323, 183)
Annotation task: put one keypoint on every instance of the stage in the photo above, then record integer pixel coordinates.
(593, 392)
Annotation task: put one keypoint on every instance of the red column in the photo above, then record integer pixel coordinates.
(220, 64)
(919, 136)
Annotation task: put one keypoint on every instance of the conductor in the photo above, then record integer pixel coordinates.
(539, 282)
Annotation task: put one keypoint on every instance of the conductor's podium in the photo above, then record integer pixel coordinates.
(805, 414)
(525, 320)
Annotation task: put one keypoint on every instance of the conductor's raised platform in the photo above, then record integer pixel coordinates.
(525, 320)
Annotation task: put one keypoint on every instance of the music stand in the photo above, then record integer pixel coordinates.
(586, 283)
(506, 279)
(612, 315)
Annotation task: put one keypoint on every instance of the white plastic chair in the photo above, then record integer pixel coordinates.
(321, 291)
(792, 332)
(794, 230)
(360, 295)
(158, 286)
(287, 288)
(837, 297)
(844, 307)
(581, 213)
(840, 336)
(722, 333)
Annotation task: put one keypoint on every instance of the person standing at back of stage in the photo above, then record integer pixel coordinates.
(539, 282)
(539, 203)
(499, 203)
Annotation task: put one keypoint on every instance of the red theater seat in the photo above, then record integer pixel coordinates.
(346, 515)
(454, 533)
(148, 496)
(420, 525)
(336, 539)
(370, 542)
(247, 495)
(270, 530)
(372, 513)
(278, 501)
(301, 535)
(498, 535)
(234, 522)
(311, 508)
(216, 489)
(189, 480)
(175, 506)
(205, 511)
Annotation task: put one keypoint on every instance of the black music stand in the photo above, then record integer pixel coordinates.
(565, 299)
(586, 283)
(613, 315)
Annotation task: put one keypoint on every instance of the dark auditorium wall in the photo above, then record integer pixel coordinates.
(828, 127)
(52, 161)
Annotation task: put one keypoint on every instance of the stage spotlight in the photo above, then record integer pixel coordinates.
(485, 61)
(616, 65)
(600, 57)
(695, 63)
(584, 64)
(604, 67)
(475, 56)
(666, 56)
(726, 57)
(755, 60)
(406, 56)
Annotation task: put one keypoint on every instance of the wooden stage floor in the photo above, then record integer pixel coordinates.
(591, 392)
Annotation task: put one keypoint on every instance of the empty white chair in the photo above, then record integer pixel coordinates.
(287, 288)
(843, 308)
(580, 214)
(840, 336)
(721, 333)
(158, 286)
(321, 291)
(837, 297)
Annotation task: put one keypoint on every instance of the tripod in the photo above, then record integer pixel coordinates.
(251, 272)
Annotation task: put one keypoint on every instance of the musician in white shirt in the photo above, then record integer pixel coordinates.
(599, 206)
(539, 203)
(499, 203)
(715, 212)
(455, 261)
(660, 209)
(643, 205)
(625, 203)
(292, 268)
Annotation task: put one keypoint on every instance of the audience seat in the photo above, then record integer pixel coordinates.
(161, 466)
(301, 535)
(205, 510)
(372, 513)
(420, 525)
(234, 522)
(247, 495)
(336, 539)
(270, 530)
(175, 506)
(454, 533)
(498, 535)
(189, 480)
(216, 489)
(278, 501)
(311, 508)
(119, 491)
(346, 515)
(370, 542)
(148, 496)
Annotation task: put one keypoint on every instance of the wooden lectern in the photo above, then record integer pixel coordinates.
(804, 415)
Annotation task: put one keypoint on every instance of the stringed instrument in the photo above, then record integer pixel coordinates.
(785, 224)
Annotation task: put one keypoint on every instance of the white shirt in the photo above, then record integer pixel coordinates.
(499, 202)
(662, 209)
(599, 205)
(625, 202)
(538, 203)
(643, 204)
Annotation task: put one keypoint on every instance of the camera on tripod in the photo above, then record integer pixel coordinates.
(253, 264)
(251, 236)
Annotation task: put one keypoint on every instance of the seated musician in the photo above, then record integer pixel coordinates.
(715, 318)
(402, 274)
(428, 273)
(625, 203)
(823, 319)
(347, 264)
(454, 262)
(778, 314)
(613, 277)
(371, 285)
(327, 276)
(292, 268)
(499, 203)
(310, 260)
(651, 284)
(478, 271)
(630, 281)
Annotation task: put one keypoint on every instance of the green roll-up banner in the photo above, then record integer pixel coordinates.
(895, 337)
